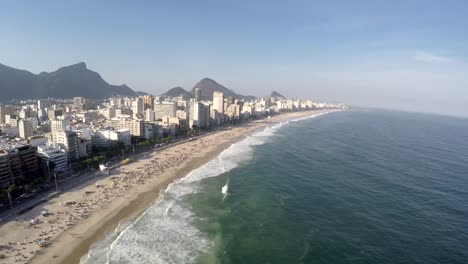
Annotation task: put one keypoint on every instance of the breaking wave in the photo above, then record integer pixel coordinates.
(164, 233)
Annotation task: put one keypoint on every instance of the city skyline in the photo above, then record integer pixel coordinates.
(391, 55)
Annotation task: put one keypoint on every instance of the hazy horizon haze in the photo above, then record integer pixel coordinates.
(402, 55)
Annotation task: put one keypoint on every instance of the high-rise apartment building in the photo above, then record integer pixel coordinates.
(136, 127)
(148, 102)
(54, 113)
(58, 125)
(218, 102)
(18, 164)
(164, 109)
(199, 115)
(51, 154)
(68, 140)
(25, 129)
(12, 120)
(5, 171)
(137, 106)
(197, 95)
(149, 115)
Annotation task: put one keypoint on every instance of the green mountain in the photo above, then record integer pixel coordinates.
(207, 86)
(178, 91)
(275, 94)
(67, 82)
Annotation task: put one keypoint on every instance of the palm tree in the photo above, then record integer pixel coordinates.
(8, 191)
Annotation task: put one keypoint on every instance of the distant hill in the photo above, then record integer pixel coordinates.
(140, 93)
(178, 91)
(67, 82)
(275, 94)
(208, 86)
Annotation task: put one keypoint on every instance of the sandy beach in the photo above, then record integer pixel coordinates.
(62, 229)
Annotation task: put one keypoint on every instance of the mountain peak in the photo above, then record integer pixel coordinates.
(66, 82)
(275, 94)
(207, 86)
(79, 65)
(206, 79)
(178, 91)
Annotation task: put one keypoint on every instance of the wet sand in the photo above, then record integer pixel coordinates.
(135, 207)
(98, 206)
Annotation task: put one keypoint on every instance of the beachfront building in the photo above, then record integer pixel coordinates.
(194, 114)
(290, 105)
(84, 147)
(68, 140)
(248, 110)
(235, 110)
(136, 127)
(99, 141)
(5, 171)
(218, 102)
(22, 161)
(151, 130)
(199, 114)
(216, 118)
(103, 138)
(53, 157)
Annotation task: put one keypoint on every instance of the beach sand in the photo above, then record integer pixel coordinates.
(97, 206)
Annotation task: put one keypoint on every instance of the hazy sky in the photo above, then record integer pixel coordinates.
(410, 54)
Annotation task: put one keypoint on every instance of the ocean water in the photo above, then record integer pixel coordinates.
(345, 187)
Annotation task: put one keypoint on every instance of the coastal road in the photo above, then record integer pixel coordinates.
(84, 178)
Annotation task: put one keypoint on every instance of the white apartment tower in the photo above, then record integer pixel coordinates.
(137, 106)
(164, 109)
(149, 115)
(68, 140)
(58, 125)
(197, 94)
(218, 102)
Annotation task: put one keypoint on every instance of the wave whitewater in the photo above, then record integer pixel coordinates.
(164, 232)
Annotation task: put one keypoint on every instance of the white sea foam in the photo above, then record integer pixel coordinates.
(164, 233)
(308, 117)
(224, 189)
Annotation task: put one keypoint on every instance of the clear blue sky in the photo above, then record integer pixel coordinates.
(408, 54)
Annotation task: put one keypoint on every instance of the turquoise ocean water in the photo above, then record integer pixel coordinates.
(346, 187)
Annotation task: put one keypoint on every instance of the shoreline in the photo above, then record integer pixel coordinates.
(143, 201)
(71, 243)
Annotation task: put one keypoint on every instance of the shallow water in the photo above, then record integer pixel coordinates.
(347, 187)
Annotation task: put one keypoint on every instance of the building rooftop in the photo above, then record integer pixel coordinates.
(10, 145)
